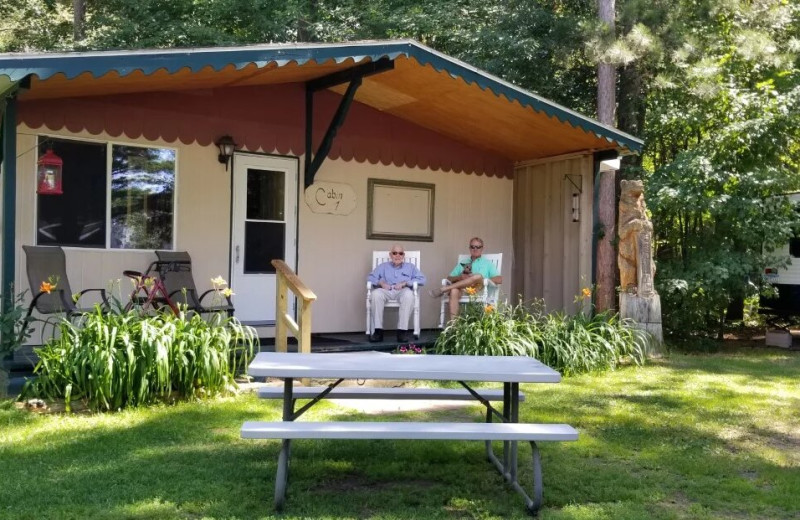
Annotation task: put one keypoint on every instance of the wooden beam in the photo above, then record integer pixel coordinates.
(346, 76)
(333, 128)
(354, 76)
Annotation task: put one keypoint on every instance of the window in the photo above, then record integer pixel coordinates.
(142, 195)
(265, 225)
(794, 247)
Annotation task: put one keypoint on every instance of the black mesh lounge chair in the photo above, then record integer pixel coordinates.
(175, 270)
(46, 263)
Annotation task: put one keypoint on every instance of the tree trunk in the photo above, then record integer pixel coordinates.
(305, 24)
(631, 114)
(78, 19)
(606, 268)
(606, 72)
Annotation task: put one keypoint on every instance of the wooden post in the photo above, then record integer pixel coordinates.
(280, 313)
(288, 281)
(305, 328)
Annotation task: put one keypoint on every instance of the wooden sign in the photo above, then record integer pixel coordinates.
(331, 197)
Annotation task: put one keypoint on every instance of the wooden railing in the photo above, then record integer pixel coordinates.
(287, 281)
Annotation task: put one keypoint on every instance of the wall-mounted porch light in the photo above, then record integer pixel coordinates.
(576, 196)
(576, 207)
(226, 146)
(48, 180)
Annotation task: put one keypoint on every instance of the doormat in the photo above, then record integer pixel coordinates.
(315, 341)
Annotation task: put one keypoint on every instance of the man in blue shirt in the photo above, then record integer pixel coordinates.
(393, 281)
(470, 274)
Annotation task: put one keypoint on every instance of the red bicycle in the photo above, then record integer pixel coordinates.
(149, 291)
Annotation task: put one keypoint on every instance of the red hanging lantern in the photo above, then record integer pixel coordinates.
(49, 178)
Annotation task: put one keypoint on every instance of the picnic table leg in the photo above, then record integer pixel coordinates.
(489, 452)
(282, 476)
(534, 505)
(508, 466)
(514, 419)
(506, 418)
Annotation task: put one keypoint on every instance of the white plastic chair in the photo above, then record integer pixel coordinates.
(490, 293)
(379, 257)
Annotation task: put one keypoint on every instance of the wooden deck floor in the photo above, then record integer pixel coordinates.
(354, 342)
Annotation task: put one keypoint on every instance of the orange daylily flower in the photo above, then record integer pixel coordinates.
(586, 292)
(470, 290)
(46, 287)
(489, 308)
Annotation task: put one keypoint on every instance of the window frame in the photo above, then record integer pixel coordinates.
(109, 144)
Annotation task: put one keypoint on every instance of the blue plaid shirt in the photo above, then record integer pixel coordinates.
(405, 272)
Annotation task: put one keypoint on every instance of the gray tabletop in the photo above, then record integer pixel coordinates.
(369, 365)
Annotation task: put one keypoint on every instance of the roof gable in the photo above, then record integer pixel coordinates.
(426, 87)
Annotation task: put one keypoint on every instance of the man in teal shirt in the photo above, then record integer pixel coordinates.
(469, 274)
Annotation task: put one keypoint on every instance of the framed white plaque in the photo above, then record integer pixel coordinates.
(400, 210)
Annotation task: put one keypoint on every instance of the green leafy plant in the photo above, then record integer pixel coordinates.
(14, 330)
(574, 344)
(116, 360)
(486, 330)
(570, 344)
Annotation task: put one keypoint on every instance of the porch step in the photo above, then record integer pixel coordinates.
(259, 323)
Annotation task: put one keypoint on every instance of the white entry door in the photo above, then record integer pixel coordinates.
(264, 229)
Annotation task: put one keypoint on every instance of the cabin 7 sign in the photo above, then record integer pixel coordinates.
(331, 197)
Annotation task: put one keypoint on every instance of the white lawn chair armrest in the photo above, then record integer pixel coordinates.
(445, 282)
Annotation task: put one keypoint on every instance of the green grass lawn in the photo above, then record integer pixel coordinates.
(702, 436)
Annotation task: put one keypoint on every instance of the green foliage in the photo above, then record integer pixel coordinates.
(579, 343)
(13, 329)
(118, 360)
(723, 148)
(567, 343)
(32, 25)
(489, 331)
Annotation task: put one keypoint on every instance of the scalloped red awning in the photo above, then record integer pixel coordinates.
(269, 118)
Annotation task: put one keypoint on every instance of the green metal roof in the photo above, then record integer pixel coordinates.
(16, 67)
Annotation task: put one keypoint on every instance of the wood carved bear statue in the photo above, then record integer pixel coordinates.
(635, 256)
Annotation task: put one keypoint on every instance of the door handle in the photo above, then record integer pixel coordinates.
(237, 254)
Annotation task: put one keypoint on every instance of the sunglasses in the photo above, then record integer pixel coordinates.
(398, 253)
(475, 247)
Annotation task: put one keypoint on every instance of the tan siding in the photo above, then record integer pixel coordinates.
(553, 254)
(334, 255)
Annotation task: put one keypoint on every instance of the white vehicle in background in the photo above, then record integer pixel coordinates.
(785, 307)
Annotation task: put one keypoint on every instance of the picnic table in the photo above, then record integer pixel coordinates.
(508, 370)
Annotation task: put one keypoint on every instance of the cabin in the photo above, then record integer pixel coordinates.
(316, 154)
